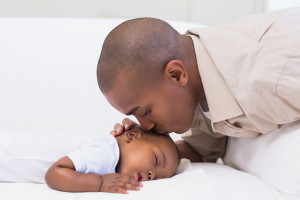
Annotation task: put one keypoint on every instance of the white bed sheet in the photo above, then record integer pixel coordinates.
(161, 189)
(189, 183)
(207, 181)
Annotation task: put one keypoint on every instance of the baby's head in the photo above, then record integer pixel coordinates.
(146, 155)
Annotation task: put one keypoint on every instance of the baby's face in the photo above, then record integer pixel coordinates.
(149, 157)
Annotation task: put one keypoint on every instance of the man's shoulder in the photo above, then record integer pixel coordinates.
(252, 26)
(243, 52)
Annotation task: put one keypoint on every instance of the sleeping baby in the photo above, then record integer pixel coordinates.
(109, 164)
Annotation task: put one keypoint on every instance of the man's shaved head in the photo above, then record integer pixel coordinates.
(140, 48)
(148, 70)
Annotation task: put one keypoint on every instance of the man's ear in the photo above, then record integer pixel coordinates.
(176, 71)
(132, 135)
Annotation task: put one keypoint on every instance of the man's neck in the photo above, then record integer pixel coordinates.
(194, 73)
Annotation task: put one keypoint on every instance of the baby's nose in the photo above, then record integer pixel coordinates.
(151, 176)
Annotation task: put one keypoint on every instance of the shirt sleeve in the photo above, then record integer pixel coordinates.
(280, 50)
(98, 156)
(288, 89)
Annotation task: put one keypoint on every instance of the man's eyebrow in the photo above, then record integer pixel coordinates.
(132, 110)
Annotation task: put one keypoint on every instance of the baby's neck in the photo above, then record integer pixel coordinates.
(121, 145)
(121, 141)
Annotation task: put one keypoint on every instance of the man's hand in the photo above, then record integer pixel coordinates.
(118, 183)
(187, 151)
(127, 124)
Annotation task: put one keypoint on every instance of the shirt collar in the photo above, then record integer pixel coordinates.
(222, 105)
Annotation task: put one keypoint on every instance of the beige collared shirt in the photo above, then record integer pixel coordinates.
(250, 72)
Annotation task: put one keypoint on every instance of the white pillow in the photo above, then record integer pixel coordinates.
(231, 184)
(274, 158)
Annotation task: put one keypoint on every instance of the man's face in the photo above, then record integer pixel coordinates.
(164, 107)
(149, 158)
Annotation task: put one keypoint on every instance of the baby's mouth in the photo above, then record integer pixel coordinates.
(141, 177)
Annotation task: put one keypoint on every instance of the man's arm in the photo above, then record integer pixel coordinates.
(209, 147)
(63, 176)
(187, 151)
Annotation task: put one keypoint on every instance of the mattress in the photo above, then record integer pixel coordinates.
(207, 181)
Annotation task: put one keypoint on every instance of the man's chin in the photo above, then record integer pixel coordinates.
(181, 131)
(162, 132)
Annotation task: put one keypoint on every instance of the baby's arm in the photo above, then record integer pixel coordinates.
(62, 176)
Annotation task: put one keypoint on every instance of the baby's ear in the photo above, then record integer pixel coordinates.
(132, 135)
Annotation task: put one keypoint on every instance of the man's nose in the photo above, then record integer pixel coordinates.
(146, 124)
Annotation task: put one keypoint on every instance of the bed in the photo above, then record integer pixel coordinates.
(50, 104)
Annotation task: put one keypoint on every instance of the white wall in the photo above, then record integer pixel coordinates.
(209, 12)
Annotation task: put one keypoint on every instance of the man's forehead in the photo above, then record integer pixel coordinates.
(123, 98)
(129, 93)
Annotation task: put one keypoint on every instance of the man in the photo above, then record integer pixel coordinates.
(239, 80)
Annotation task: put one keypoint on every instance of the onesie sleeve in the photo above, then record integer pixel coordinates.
(97, 156)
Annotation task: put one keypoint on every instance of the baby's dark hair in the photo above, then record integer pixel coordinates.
(139, 128)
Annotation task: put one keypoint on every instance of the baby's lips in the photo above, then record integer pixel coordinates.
(137, 179)
(142, 177)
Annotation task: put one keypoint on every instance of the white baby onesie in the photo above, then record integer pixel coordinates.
(97, 156)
